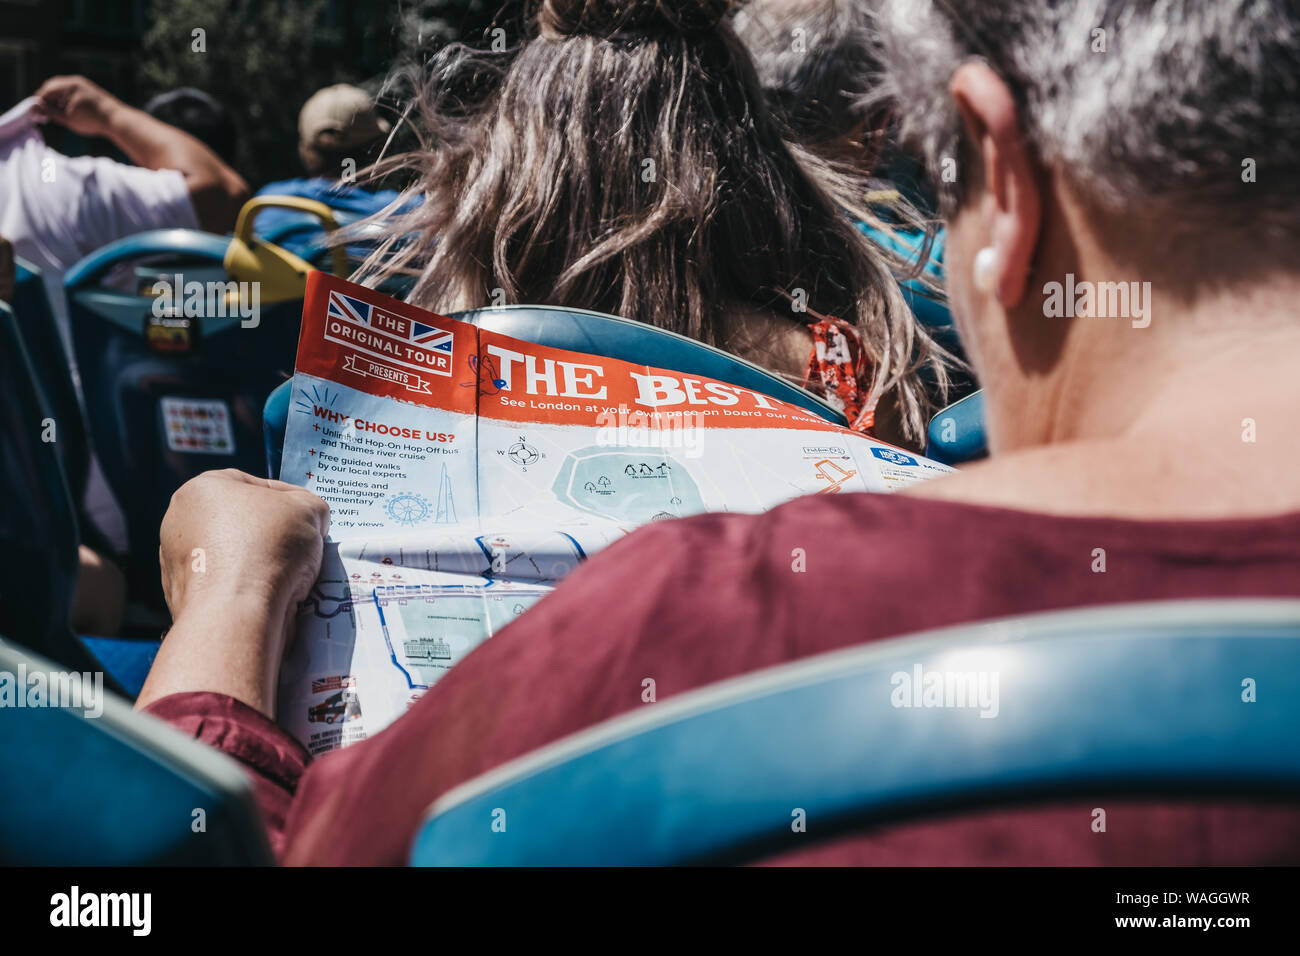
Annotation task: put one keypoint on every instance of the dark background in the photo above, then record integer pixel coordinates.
(263, 57)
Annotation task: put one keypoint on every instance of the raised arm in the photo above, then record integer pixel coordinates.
(216, 190)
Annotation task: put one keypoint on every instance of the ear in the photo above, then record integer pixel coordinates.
(1009, 189)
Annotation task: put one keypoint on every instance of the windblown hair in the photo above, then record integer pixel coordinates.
(621, 159)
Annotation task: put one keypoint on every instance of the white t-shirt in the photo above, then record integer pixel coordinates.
(57, 209)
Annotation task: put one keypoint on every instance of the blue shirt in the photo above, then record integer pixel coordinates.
(300, 232)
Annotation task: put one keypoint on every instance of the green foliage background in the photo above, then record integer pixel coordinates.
(265, 57)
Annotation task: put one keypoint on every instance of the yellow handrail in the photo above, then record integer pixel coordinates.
(281, 274)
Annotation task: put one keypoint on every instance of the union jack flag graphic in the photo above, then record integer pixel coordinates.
(431, 338)
(346, 307)
(357, 311)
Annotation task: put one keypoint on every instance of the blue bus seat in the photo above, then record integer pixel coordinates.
(38, 526)
(39, 531)
(1135, 700)
(930, 310)
(170, 396)
(125, 660)
(53, 371)
(275, 422)
(956, 434)
(595, 333)
(117, 788)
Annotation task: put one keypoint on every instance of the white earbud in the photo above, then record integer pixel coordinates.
(982, 271)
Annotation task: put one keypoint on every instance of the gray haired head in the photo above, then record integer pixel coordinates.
(1146, 106)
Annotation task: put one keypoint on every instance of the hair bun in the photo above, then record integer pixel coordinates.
(603, 18)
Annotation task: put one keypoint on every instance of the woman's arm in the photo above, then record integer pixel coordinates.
(238, 554)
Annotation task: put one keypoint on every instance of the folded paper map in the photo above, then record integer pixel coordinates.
(467, 472)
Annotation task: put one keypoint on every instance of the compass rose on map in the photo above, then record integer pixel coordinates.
(522, 454)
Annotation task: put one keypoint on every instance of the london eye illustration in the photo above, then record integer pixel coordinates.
(408, 508)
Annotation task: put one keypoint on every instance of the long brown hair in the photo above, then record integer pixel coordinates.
(621, 159)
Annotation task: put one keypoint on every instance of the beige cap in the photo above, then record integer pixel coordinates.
(338, 118)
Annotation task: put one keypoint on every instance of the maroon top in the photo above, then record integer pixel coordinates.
(698, 600)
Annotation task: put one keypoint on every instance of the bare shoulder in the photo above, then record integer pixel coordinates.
(1056, 479)
(995, 482)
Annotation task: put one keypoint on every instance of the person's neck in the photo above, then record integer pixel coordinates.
(1116, 381)
(1191, 416)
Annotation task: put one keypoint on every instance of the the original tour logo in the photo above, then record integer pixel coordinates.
(386, 346)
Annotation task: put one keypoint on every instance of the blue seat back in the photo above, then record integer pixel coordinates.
(275, 422)
(957, 433)
(597, 334)
(39, 531)
(165, 404)
(930, 310)
(124, 660)
(116, 788)
(38, 526)
(53, 374)
(1143, 699)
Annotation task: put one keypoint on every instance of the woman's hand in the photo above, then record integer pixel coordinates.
(238, 554)
(228, 533)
